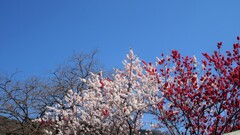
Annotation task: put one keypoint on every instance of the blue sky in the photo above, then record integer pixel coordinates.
(37, 35)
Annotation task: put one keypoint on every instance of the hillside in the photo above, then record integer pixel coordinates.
(8, 126)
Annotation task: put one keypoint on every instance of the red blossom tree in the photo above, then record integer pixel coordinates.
(199, 101)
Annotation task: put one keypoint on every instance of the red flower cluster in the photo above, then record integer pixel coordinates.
(204, 102)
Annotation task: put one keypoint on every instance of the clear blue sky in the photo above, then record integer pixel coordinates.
(35, 35)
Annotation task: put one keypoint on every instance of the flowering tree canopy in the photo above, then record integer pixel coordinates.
(202, 100)
(184, 97)
(107, 106)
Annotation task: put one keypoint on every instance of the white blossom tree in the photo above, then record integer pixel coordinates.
(106, 106)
